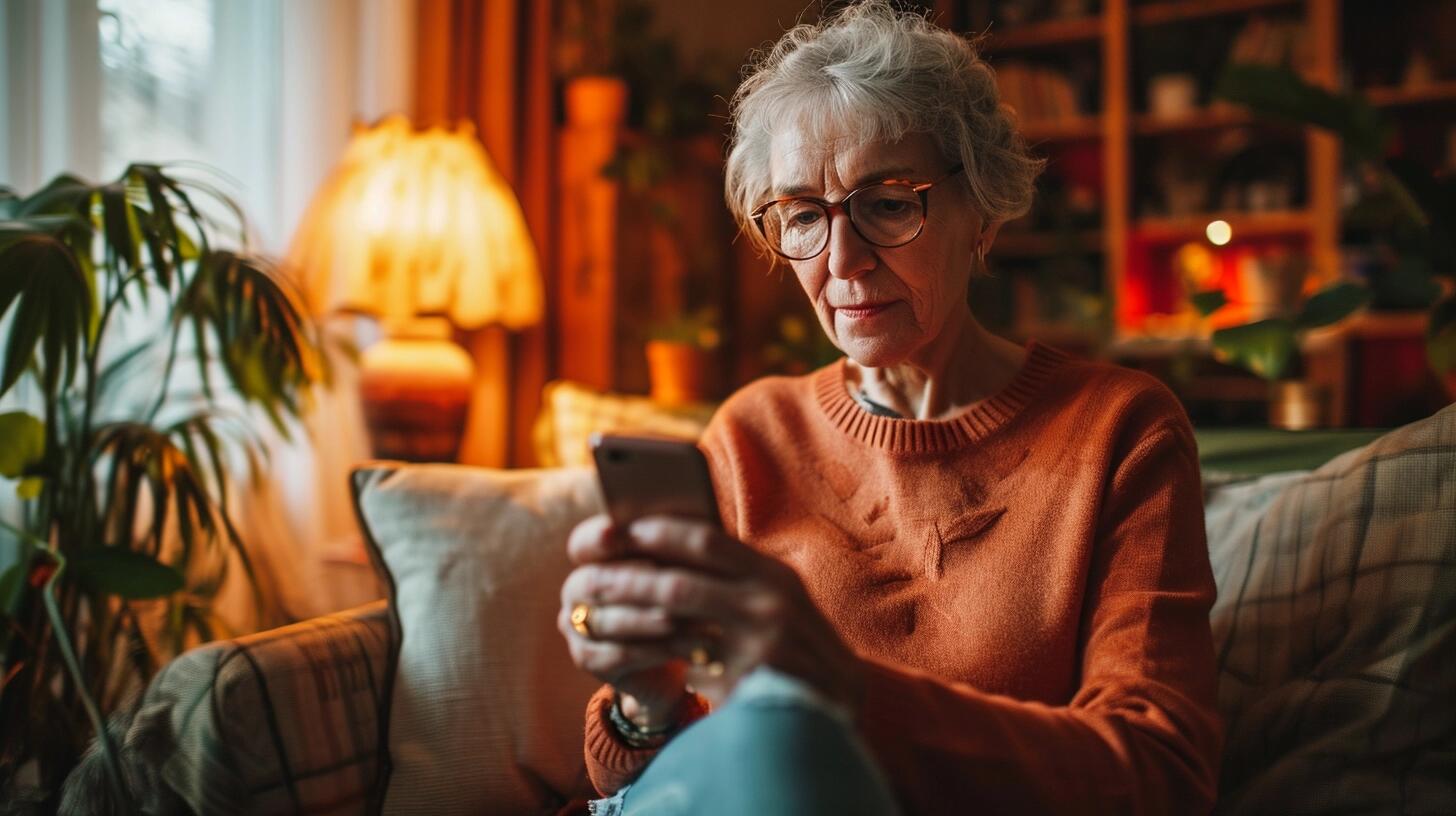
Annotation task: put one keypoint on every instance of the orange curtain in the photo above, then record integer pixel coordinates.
(487, 62)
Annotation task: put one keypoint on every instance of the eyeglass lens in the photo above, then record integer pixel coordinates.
(886, 215)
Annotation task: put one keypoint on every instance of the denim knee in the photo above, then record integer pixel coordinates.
(775, 746)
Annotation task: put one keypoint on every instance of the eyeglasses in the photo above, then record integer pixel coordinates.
(888, 214)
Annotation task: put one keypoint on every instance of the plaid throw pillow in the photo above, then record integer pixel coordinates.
(1336, 629)
(285, 721)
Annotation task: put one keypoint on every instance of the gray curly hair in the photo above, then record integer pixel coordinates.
(870, 73)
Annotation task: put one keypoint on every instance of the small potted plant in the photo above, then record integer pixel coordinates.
(1270, 348)
(800, 348)
(595, 93)
(681, 355)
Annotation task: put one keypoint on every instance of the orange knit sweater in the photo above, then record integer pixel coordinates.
(1027, 583)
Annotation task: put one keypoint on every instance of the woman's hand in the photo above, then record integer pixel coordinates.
(675, 601)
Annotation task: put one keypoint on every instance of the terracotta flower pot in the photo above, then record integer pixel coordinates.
(596, 101)
(681, 374)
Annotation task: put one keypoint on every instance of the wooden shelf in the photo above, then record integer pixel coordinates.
(1147, 124)
(1393, 97)
(1174, 11)
(1045, 34)
(1244, 224)
(1069, 129)
(1037, 244)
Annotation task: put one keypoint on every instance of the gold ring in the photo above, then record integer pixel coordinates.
(581, 619)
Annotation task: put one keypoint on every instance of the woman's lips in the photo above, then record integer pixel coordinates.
(864, 311)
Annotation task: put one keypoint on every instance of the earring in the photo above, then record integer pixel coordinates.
(981, 252)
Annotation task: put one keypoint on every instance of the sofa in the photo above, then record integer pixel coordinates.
(1335, 626)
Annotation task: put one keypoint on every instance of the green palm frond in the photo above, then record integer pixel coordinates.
(266, 347)
(42, 277)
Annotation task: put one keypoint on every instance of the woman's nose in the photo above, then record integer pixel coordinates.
(849, 255)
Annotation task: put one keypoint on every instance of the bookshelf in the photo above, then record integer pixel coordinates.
(1132, 243)
(1128, 136)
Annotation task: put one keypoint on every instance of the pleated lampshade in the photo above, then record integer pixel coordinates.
(419, 223)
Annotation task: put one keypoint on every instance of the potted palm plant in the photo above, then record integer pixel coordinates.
(122, 449)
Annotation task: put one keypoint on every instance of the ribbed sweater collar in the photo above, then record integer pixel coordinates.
(934, 435)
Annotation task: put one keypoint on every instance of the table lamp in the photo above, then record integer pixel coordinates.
(419, 230)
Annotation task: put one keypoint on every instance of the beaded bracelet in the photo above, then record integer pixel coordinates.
(635, 735)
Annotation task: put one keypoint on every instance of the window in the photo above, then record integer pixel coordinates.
(156, 61)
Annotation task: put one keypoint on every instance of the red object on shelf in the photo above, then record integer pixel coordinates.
(1391, 382)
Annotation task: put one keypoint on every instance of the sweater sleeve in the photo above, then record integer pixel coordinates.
(610, 762)
(1140, 735)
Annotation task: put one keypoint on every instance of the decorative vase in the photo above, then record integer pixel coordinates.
(680, 372)
(415, 385)
(1298, 405)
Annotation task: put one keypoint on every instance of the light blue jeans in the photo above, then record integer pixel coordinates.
(775, 747)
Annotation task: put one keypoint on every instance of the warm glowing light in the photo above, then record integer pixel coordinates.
(1219, 232)
(419, 223)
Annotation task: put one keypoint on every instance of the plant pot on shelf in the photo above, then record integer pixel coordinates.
(596, 101)
(681, 373)
(1298, 405)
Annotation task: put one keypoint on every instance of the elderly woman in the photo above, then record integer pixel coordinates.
(957, 574)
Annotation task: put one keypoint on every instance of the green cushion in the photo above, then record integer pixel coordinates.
(1257, 451)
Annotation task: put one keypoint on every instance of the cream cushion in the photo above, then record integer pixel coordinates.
(487, 706)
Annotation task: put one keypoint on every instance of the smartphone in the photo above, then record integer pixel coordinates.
(653, 476)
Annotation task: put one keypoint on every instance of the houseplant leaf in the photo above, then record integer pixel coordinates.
(267, 347)
(123, 233)
(22, 443)
(1209, 302)
(42, 277)
(1280, 93)
(125, 573)
(1406, 285)
(1265, 347)
(10, 583)
(1331, 304)
(64, 195)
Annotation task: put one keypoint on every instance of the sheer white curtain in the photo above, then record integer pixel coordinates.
(281, 84)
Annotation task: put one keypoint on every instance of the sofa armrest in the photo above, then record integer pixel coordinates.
(291, 720)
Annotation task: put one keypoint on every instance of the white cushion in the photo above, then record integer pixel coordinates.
(487, 706)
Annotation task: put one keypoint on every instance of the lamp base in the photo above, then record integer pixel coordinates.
(415, 385)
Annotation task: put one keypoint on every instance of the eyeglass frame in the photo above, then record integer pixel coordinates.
(922, 188)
